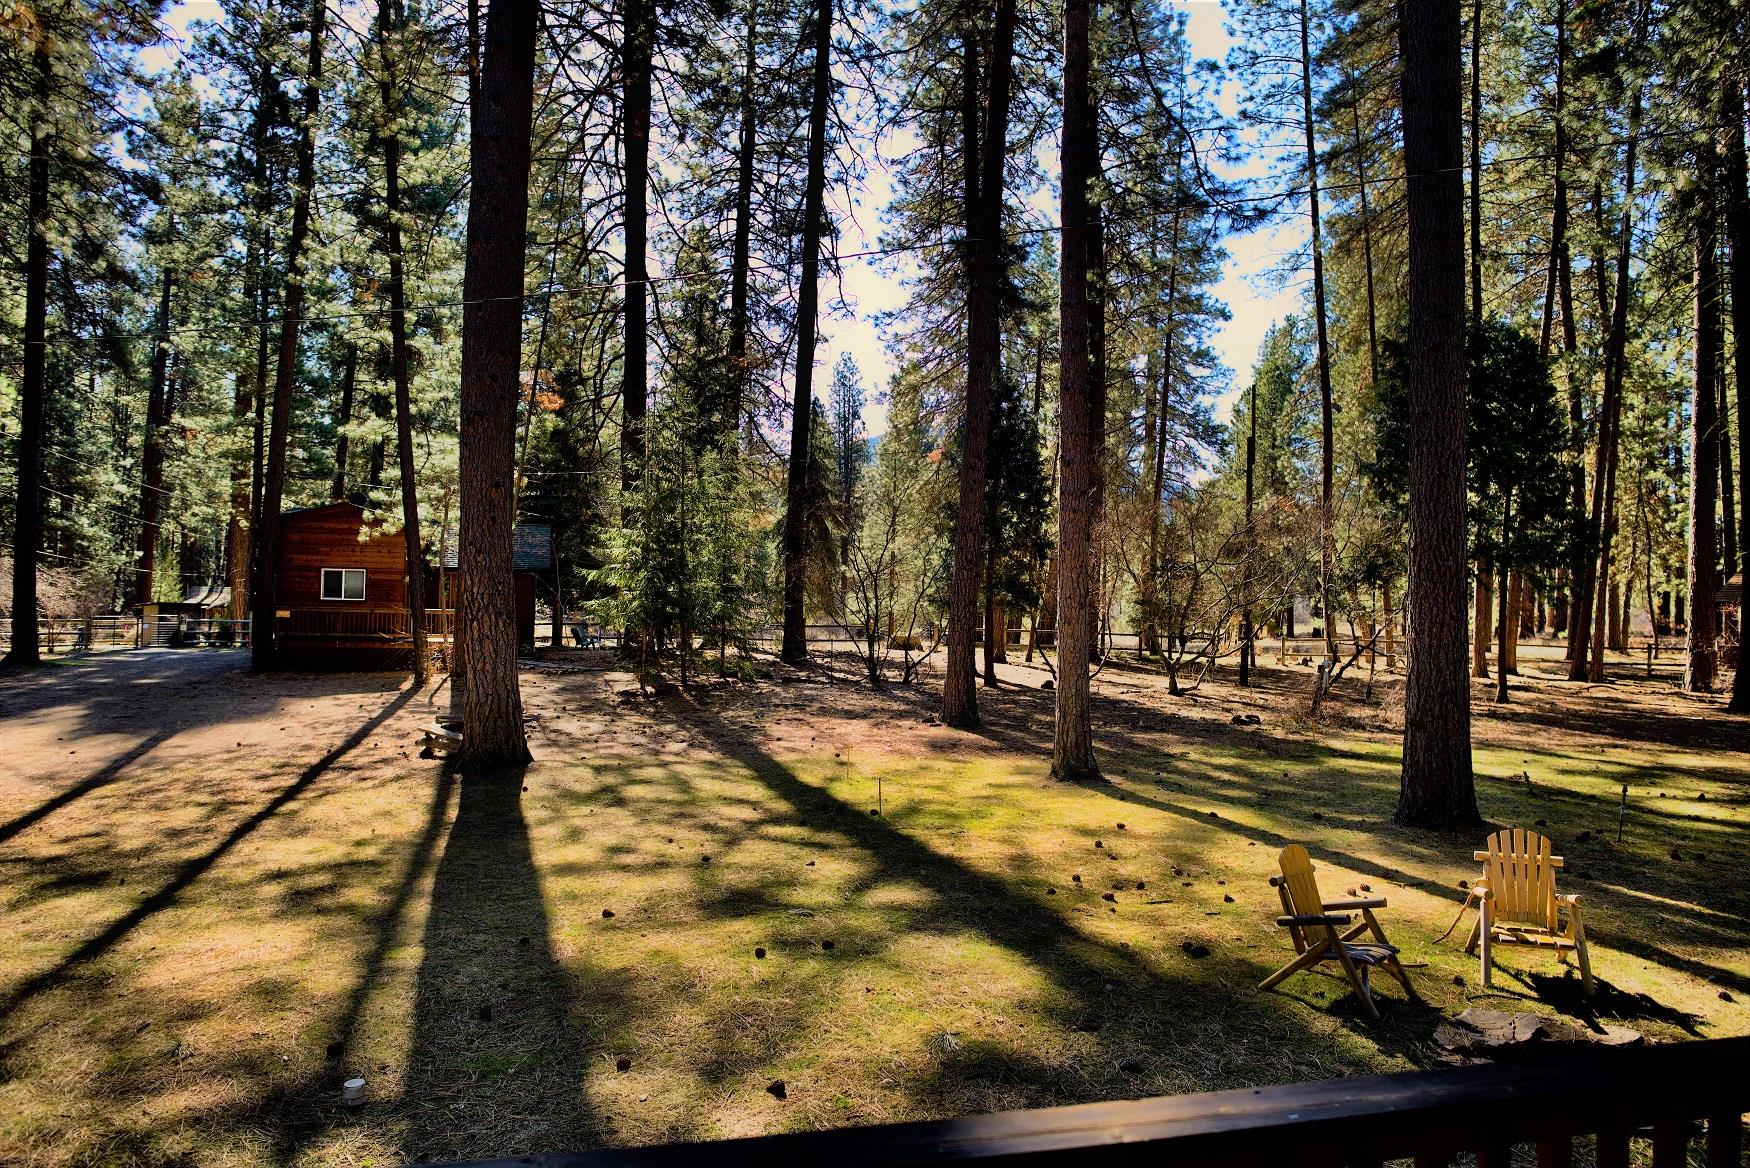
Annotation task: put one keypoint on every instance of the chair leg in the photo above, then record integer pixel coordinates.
(1476, 929)
(1310, 958)
(1485, 927)
(1358, 979)
(1403, 976)
(1578, 929)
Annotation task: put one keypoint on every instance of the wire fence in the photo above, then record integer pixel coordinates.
(72, 636)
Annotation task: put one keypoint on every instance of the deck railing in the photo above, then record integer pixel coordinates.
(1612, 1106)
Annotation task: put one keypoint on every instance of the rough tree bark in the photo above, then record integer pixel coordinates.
(1327, 427)
(152, 453)
(986, 150)
(1072, 750)
(265, 553)
(795, 551)
(492, 718)
(1738, 236)
(1584, 665)
(747, 142)
(1704, 449)
(343, 444)
(638, 50)
(25, 648)
(396, 291)
(1437, 787)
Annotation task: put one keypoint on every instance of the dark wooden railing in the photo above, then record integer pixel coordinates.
(1651, 1104)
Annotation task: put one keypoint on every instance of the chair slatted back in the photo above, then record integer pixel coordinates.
(1521, 878)
(1300, 895)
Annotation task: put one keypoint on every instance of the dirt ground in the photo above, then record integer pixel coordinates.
(224, 894)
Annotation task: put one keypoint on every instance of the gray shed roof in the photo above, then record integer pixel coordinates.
(531, 548)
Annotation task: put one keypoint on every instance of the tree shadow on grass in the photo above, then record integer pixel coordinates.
(1136, 1010)
(185, 875)
(495, 1057)
(101, 778)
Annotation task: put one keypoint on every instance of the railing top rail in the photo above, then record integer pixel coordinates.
(1334, 1122)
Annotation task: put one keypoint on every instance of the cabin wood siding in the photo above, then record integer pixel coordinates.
(328, 537)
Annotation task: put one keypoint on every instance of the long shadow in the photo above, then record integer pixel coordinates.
(1096, 980)
(302, 1116)
(494, 1043)
(191, 871)
(102, 778)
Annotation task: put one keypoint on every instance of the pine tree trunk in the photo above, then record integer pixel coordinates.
(343, 444)
(1601, 525)
(1072, 752)
(492, 720)
(264, 584)
(1248, 651)
(1698, 673)
(25, 648)
(795, 552)
(638, 50)
(250, 385)
(152, 453)
(741, 248)
(1505, 613)
(959, 695)
(1437, 787)
(1518, 593)
(1482, 603)
(1737, 202)
(1327, 424)
(1361, 183)
(397, 293)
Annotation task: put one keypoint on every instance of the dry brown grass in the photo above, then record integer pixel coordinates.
(213, 920)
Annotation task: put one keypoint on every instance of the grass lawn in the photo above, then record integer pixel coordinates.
(223, 895)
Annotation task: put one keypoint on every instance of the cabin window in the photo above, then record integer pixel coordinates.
(343, 583)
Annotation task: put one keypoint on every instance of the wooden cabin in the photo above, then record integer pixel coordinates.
(340, 597)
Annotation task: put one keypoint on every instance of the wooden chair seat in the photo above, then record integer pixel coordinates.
(1323, 930)
(1363, 953)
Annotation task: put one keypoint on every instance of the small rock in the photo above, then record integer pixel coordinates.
(1701, 796)
(1367, 888)
(875, 811)
(810, 864)
(1120, 827)
(1129, 1066)
(704, 859)
(1213, 815)
(624, 1064)
(776, 1089)
(1464, 885)
(1676, 855)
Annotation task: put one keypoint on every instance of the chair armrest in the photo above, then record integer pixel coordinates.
(1571, 899)
(1314, 919)
(1365, 902)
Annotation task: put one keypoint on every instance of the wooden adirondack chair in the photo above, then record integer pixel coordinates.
(1518, 905)
(1322, 930)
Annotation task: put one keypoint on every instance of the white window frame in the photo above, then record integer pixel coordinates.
(364, 578)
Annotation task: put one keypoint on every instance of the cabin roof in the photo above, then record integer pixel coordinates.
(531, 548)
(1731, 593)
